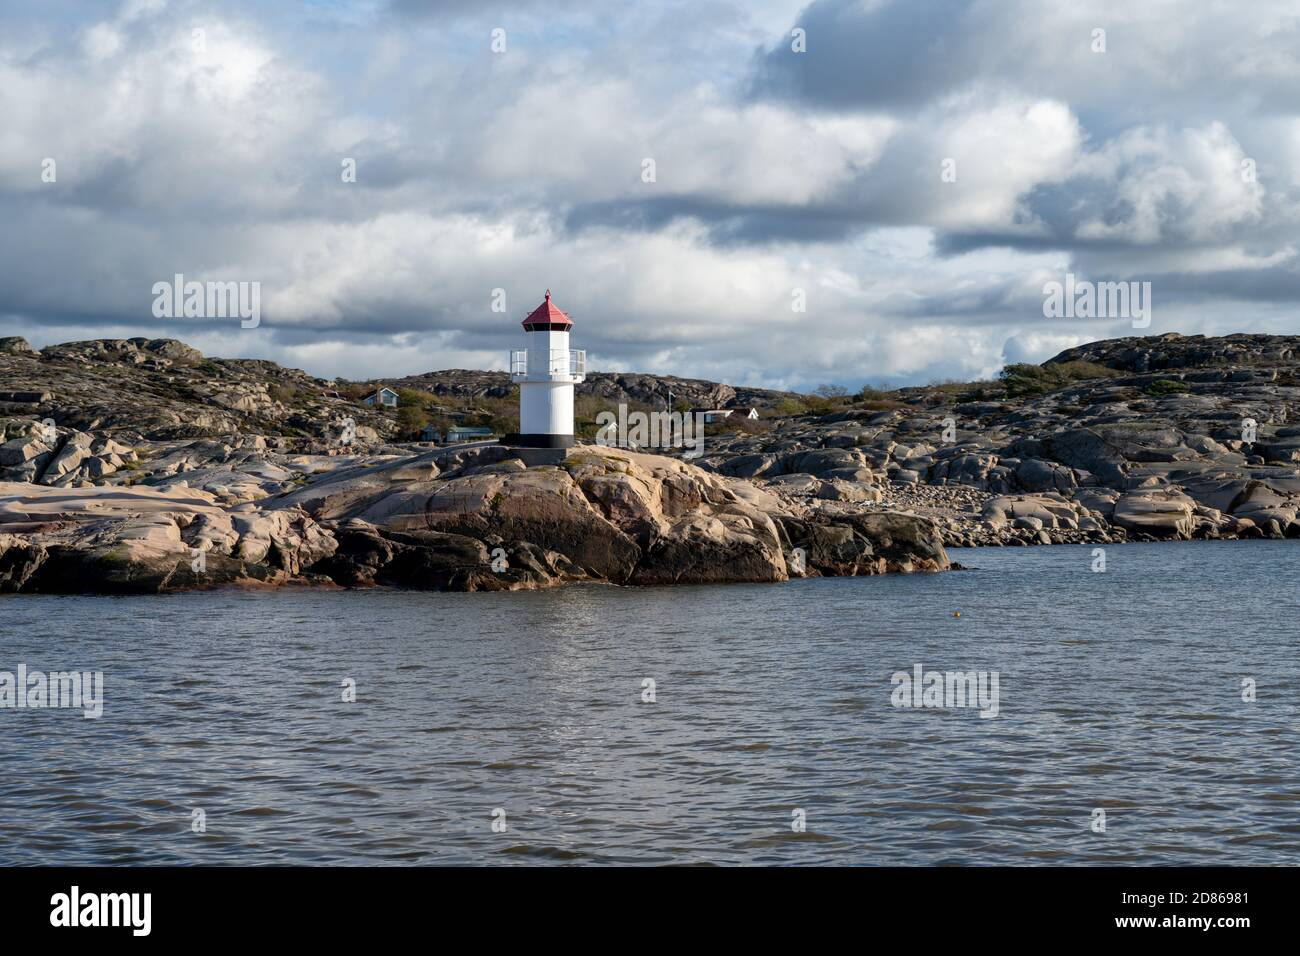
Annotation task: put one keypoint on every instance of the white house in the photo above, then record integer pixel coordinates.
(712, 415)
(385, 396)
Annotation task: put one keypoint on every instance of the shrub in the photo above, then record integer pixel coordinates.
(1023, 379)
(832, 393)
(870, 394)
(1166, 386)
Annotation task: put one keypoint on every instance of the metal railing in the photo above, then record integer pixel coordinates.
(559, 362)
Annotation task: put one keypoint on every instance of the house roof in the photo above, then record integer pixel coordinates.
(547, 316)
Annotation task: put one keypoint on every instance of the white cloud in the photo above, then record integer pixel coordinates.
(1001, 153)
(522, 172)
(1189, 184)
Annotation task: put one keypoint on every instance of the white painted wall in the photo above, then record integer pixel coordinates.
(540, 345)
(546, 408)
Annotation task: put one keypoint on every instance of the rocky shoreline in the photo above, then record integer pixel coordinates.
(239, 473)
(1143, 439)
(469, 520)
(968, 518)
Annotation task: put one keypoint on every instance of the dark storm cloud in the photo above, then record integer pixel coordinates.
(1277, 285)
(877, 55)
(727, 224)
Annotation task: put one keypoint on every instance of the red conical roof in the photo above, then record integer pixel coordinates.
(547, 316)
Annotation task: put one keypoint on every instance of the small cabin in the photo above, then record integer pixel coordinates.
(460, 433)
(712, 415)
(430, 433)
(385, 396)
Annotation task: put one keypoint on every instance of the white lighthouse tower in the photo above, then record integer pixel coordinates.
(546, 372)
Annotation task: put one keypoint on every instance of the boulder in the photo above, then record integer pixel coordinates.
(965, 469)
(713, 549)
(900, 542)
(1161, 514)
(796, 484)
(74, 450)
(285, 539)
(1035, 474)
(837, 550)
(750, 466)
(823, 460)
(16, 345)
(836, 490)
(1030, 512)
(1084, 448)
(21, 450)
(1261, 504)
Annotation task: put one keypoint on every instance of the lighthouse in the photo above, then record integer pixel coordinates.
(546, 372)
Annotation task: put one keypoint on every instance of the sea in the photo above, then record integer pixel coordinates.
(1030, 709)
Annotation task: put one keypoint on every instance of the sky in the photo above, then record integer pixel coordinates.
(768, 193)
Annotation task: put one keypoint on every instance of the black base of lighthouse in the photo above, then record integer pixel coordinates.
(539, 441)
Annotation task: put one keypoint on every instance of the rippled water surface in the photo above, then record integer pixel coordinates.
(1119, 691)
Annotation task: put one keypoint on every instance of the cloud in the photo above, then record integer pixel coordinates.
(1173, 157)
(1194, 185)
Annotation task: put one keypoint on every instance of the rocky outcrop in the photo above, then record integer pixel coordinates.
(162, 389)
(604, 514)
(652, 391)
(15, 345)
(478, 519)
(142, 540)
(1140, 439)
(1149, 438)
(1161, 514)
(1246, 356)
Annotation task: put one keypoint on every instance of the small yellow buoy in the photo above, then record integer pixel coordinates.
(956, 613)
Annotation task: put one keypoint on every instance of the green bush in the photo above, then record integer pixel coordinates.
(1166, 386)
(415, 398)
(1024, 379)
